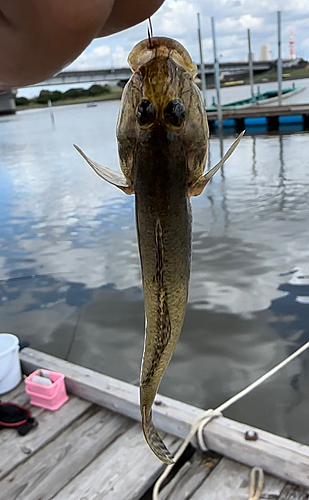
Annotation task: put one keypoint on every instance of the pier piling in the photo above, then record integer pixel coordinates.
(272, 122)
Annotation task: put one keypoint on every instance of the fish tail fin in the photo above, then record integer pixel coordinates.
(153, 439)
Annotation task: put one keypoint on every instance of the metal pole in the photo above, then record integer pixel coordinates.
(279, 63)
(50, 105)
(250, 65)
(201, 59)
(217, 76)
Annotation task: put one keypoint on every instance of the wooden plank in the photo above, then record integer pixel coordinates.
(14, 394)
(52, 467)
(170, 415)
(281, 457)
(261, 111)
(278, 456)
(189, 478)
(15, 449)
(293, 492)
(231, 480)
(125, 470)
(18, 396)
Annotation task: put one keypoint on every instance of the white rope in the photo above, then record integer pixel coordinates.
(256, 483)
(203, 419)
(262, 379)
(199, 424)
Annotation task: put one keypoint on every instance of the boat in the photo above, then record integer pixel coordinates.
(91, 105)
(259, 99)
(233, 83)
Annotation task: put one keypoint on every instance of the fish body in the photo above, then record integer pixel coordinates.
(164, 226)
(162, 135)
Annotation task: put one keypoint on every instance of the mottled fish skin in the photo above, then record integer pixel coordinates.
(163, 219)
(162, 135)
(161, 161)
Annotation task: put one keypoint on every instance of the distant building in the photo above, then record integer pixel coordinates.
(265, 52)
(292, 46)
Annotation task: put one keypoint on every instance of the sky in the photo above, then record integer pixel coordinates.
(178, 19)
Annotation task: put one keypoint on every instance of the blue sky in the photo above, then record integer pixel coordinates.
(178, 19)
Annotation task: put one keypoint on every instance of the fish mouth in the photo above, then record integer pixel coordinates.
(164, 47)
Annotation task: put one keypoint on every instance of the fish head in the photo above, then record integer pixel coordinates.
(162, 93)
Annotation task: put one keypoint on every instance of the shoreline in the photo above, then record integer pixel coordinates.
(114, 95)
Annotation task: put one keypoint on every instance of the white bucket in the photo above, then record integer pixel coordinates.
(10, 371)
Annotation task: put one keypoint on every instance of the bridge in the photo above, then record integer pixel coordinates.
(110, 76)
(120, 76)
(113, 76)
(7, 103)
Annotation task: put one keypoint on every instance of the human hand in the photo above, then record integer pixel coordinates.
(39, 37)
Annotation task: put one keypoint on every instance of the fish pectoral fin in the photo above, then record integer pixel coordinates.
(109, 175)
(200, 184)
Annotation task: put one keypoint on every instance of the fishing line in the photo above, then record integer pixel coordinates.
(150, 33)
(73, 334)
(200, 423)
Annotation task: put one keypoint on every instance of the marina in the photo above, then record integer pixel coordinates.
(98, 433)
(260, 99)
(270, 116)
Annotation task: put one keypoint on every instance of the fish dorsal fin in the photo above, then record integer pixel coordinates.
(109, 175)
(200, 184)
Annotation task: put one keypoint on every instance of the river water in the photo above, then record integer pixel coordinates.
(70, 274)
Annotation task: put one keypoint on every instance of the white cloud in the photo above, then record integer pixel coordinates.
(97, 57)
(175, 17)
(101, 56)
(120, 56)
(101, 51)
(232, 24)
(178, 19)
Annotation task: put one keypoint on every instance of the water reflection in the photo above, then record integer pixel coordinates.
(70, 269)
(283, 401)
(282, 179)
(254, 172)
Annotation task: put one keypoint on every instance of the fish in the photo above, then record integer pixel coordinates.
(162, 135)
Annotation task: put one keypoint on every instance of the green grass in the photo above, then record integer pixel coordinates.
(288, 74)
(114, 94)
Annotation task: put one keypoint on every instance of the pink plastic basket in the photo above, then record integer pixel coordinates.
(50, 397)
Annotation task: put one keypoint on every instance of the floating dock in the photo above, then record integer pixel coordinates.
(93, 448)
(271, 117)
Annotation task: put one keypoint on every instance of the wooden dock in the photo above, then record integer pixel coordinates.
(272, 114)
(92, 448)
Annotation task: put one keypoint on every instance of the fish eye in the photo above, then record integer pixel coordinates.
(145, 112)
(175, 112)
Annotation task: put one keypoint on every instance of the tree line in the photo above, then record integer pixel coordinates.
(57, 95)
